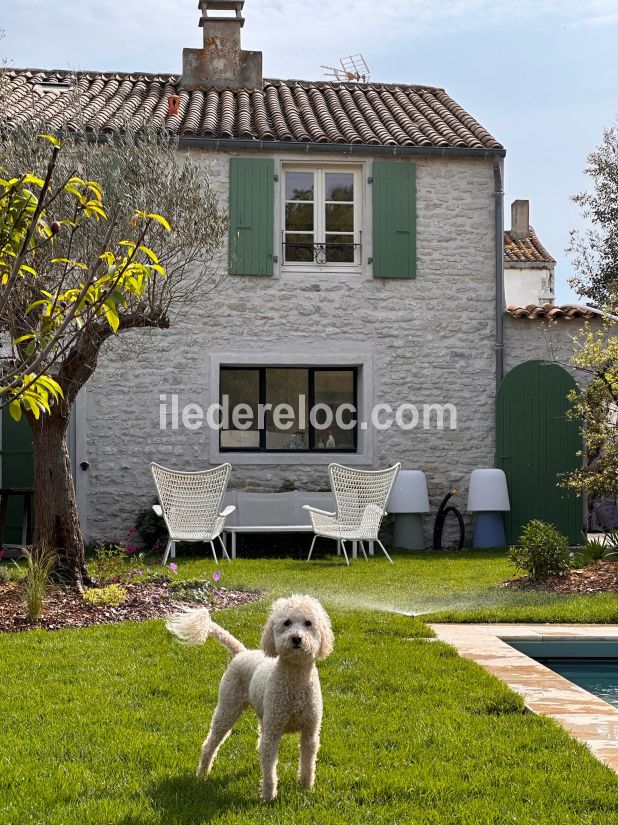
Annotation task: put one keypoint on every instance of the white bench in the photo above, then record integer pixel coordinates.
(275, 513)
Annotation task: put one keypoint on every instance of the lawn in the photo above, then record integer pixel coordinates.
(445, 586)
(103, 726)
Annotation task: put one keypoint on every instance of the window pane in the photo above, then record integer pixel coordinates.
(240, 387)
(299, 248)
(340, 249)
(287, 387)
(339, 217)
(334, 388)
(339, 186)
(299, 217)
(299, 186)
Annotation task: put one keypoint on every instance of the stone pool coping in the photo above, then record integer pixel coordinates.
(585, 716)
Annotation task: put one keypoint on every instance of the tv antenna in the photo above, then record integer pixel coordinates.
(354, 69)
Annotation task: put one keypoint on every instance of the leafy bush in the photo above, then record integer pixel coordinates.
(605, 548)
(5, 575)
(191, 590)
(110, 596)
(151, 528)
(39, 565)
(543, 551)
(110, 562)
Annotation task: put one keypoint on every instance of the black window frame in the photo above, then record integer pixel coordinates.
(311, 448)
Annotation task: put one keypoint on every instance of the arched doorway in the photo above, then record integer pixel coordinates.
(536, 443)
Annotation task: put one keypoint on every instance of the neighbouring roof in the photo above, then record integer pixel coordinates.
(568, 312)
(289, 111)
(525, 250)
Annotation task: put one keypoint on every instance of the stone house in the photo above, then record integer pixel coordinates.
(366, 267)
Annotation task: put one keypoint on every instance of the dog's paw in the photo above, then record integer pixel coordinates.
(269, 794)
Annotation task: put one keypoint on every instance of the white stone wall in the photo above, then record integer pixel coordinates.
(428, 340)
(528, 285)
(529, 339)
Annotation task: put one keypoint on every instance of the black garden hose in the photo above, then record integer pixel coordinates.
(443, 512)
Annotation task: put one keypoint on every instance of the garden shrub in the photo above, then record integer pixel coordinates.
(110, 596)
(543, 551)
(5, 575)
(151, 528)
(191, 590)
(110, 562)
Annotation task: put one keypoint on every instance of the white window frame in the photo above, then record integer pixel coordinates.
(319, 223)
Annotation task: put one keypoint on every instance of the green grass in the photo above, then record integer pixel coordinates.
(440, 586)
(103, 727)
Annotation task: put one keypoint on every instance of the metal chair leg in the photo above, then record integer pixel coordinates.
(347, 560)
(311, 548)
(214, 555)
(167, 551)
(224, 548)
(362, 547)
(384, 551)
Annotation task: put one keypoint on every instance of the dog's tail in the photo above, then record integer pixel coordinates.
(194, 626)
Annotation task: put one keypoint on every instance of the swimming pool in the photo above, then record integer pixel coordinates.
(593, 665)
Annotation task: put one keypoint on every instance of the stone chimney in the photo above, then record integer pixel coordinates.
(520, 219)
(221, 63)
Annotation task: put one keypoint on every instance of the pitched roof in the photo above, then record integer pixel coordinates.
(295, 111)
(567, 312)
(525, 250)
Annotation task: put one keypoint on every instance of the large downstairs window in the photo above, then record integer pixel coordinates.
(321, 217)
(284, 409)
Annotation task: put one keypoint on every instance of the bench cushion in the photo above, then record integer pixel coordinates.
(267, 509)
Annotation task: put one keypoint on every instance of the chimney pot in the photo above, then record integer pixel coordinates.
(221, 63)
(520, 219)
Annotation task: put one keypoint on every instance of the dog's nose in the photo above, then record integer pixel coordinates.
(296, 640)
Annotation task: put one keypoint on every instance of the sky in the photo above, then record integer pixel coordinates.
(540, 75)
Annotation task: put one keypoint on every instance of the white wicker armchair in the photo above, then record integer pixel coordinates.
(360, 496)
(190, 504)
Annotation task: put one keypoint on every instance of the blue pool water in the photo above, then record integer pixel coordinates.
(593, 665)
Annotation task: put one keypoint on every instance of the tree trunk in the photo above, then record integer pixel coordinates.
(56, 520)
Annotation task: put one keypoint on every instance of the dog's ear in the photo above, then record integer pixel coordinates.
(267, 642)
(327, 638)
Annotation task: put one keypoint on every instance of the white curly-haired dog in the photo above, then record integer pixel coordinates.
(280, 682)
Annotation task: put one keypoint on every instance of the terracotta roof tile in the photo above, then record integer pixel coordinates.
(290, 111)
(525, 250)
(567, 312)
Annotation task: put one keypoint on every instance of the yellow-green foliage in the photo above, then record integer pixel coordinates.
(111, 596)
(596, 404)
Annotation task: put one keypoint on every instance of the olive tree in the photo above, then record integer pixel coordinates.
(107, 236)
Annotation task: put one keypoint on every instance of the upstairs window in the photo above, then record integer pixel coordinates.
(321, 218)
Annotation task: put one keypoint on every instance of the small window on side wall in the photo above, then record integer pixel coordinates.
(284, 409)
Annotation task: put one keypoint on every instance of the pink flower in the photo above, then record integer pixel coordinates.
(130, 549)
(173, 567)
(2, 553)
(216, 575)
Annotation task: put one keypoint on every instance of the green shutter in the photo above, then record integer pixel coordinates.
(394, 219)
(16, 470)
(252, 193)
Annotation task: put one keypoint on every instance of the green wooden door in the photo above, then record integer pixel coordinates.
(16, 470)
(535, 444)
